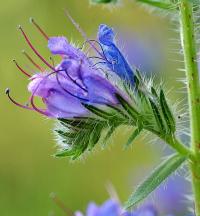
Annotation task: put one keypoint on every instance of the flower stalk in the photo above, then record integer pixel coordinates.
(190, 56)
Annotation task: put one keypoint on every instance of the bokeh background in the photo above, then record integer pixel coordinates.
(28, 172)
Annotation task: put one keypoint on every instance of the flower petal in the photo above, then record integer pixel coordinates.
(110, 208)
(114, 59)
(63, 105)
(92, 210)
(61, 46)
(100, 90)
(105, 35)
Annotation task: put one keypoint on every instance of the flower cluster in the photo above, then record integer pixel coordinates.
(90, 94)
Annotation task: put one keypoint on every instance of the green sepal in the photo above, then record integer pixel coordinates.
(99, 112)
(129, 109)
(170, 121)
(157, 116)
(95, 136)
(64, 153)
(160, 174)
(133, 136)
(154, 92)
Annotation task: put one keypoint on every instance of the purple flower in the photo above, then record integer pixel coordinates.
(113, 208)
(64, 88)
(114, 59)
(171, 196)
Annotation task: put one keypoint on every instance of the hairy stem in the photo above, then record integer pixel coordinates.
(179, 147)
(190, 55)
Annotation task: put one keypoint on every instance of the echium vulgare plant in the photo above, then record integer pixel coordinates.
(90, 95)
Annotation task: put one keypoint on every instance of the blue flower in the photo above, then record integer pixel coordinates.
(114, 59)
(64, 87)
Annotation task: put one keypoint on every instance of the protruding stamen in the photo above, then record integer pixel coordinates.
(34, 50)
(61, 204)
(22, 70)
(39, 28)
(32, 61)
(7, 91)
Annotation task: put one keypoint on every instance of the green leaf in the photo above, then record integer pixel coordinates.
(135, 133)
(157, 3)
(129, 109)
(98, 112)
(160, 174)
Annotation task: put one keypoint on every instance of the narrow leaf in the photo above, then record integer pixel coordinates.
(157, 3)
(161, 173)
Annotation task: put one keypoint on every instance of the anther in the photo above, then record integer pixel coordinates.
(21, 69)
(7, 91)
(39, 28)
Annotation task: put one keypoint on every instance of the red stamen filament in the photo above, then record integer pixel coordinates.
(32, 61)
(16, 103)
(22, 70)
(35, 107)
(34, 50)
(39, 28)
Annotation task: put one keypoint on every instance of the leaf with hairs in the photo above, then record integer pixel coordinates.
(159, 174)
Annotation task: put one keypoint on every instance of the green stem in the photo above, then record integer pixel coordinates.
(179, 147)
(190, 55)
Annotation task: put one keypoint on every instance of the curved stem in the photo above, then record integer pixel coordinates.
(179, 147)
(193, 87)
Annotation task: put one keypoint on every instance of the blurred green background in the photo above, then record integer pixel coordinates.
(28, 172)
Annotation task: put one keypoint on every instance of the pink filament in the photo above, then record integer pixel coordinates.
(39, 29)
(22, 70)
(32, 61)
(34, 50)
